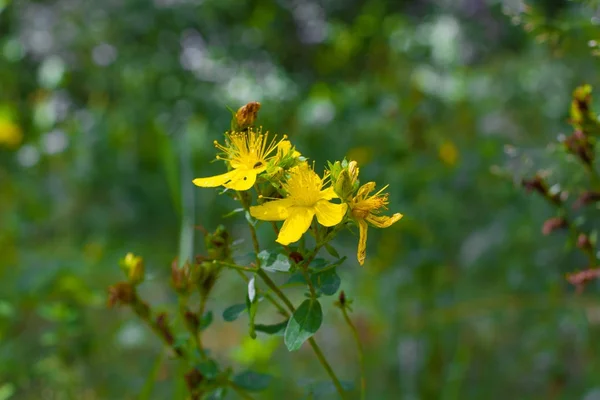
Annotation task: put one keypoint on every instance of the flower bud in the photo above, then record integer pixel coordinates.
(218, 244)
(206, 275)
(181, 278)
(193, 379)
(121, 293)
(342, 299)
(583, 242)
(246, 115)
(133, 266)
(343, 185)
(553, 224)
(586, 198)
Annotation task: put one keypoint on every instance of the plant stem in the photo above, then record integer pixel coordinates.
(361, 359)
(269, 282)
(268, 297)
(236, 266)
(327, 367)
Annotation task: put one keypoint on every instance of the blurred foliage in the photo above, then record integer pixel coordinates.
(107, 107)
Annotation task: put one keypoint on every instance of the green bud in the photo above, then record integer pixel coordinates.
(218, 244)
(133, 266)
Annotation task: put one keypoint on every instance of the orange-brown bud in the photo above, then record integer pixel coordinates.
(553, 224)
(246, 115)
(120, 293)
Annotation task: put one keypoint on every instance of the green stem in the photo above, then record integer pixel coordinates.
(361, 358)
(327, 367)
(268, 297)
(269, 282)
(193, 332)
(236, 266)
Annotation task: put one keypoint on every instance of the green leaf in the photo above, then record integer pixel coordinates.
(208, 368)
(318, 263)
(273, 262)
(296, 279)
(327, 282)
(331, 250)
(232, 313)
(303, 324)
(206, 320)
(252, 381)
(275, 329)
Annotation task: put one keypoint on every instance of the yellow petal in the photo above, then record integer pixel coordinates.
(276, 210)
(328, 194)
(329, 214)
(295, 225)
(361, 254)
(365, 190)
(214, 181)
(383, 221)
(243, 179)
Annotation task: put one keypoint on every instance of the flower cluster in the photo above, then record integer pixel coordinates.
(289, 189)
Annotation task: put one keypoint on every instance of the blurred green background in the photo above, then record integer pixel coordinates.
(108, 109)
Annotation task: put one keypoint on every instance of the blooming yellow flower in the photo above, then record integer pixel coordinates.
(305, 199)
(365, 208)
(247, 154)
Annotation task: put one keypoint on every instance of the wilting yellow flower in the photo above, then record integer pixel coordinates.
(305, 199)
(247, 154)
(10, 133)
(365, 208)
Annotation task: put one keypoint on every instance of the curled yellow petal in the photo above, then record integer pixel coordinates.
(383, 221)
(214, 181)
(361, 254)
(276, 210)
(297, 222)
(329, 214)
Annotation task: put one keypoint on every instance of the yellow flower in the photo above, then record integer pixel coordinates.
(247, 155)
(10, 133)
(134, 268)
(305, 199)
(365, 208)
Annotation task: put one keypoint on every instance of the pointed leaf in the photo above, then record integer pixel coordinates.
(276, 329)
(331, 250)
(327, 282)
(232, 313)
(252, 381)
(206, 320)
(273, 262)
(303, 324)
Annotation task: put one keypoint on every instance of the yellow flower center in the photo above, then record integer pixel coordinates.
(304, 186)
(247, 150)
(363, 204)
